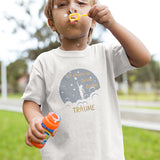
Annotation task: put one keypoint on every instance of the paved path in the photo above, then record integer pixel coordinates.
(133, 117)
(11, 105)
(139, 103)
(141, 118)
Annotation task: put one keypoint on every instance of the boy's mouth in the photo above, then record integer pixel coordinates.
(73, 22)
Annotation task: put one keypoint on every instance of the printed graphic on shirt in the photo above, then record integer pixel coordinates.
(77, 86)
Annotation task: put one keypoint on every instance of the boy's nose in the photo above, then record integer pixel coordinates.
(72, 8)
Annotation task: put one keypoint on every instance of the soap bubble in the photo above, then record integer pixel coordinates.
(65, 15)
(78, 44)
(55, 6)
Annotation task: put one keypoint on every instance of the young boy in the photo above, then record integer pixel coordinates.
(76, 81)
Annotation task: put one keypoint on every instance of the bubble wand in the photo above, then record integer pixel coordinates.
(77, 16)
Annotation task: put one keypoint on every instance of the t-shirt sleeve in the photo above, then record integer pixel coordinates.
(35, 90)
(120, 60)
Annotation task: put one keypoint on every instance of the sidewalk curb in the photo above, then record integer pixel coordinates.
(131, 117)
(11, 108)
(142, 125)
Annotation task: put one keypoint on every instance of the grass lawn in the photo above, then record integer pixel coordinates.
(139, 144)
(14, 95)
(140, 107)
(140, 96)
(12, 133)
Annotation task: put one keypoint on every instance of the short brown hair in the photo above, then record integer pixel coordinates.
(49, 14)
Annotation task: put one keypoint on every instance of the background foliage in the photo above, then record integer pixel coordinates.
(39, 38)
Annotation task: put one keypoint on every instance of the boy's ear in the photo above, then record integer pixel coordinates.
(51, 24)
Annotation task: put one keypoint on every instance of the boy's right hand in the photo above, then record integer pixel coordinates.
(35, 131)
(102, 15)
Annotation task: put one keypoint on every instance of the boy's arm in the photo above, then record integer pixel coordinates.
(137, 53)
(34, 118)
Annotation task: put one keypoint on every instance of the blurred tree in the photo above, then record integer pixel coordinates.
(16, 70)
(149, 73)
(35, 36)
(34, 24)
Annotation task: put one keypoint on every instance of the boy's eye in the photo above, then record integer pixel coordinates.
(81, 3)
(62, 5)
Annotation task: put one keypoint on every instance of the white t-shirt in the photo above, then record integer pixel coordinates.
(80, 87)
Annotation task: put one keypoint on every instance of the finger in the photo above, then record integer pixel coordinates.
(39, 127)
(35, 139)
(92, 12)
(28, 141)
(37, 130)
(95, 10)
(53, 134)
(32, 135)
(36, 134)
(100, 15)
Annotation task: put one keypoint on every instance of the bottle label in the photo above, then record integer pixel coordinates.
(50, 131)
(47, 133)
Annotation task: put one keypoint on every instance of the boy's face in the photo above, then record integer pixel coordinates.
(61, 22)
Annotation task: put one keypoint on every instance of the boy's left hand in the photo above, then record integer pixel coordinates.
(102, 15)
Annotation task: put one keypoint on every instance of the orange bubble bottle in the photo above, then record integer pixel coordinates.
(50, 123)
